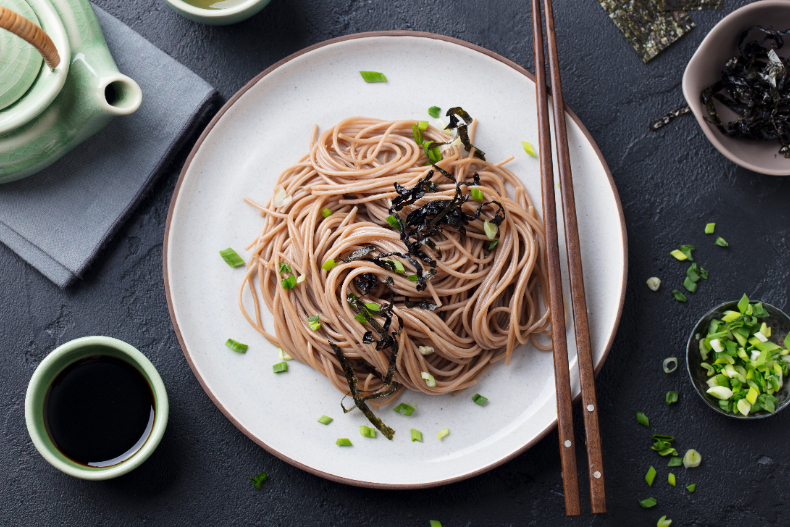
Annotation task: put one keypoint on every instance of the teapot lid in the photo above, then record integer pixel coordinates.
(19, 61)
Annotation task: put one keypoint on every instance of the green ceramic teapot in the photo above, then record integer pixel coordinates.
(58, 83)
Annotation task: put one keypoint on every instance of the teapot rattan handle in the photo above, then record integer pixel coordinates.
(27, 30)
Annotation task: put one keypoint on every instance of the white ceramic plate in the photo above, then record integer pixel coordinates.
(265, 128)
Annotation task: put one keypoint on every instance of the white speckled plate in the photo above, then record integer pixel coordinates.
(265, 128)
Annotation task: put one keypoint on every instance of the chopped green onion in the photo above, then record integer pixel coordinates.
(260, 478)
(650, 476)
(720, 392)
(394, 222)
(720, 242)
(236, 346)
(703, 273)
(477, 194)
(343, 442)
(284, 268)
(325, 420)
(231, 257)
(663, 522)
(647, 503)
(690, 285)
(642, 419)
(372, 306)
(479, 399)
(313, 323)
(692, 487)
(413, 278)
(743, 406)
(367, 431)
(680, 297)
(672, 480)
(417, 133)
(686, 249)
(404, 409)
(492, 245)
(328, 265)
(490, 229)
(435, 523)
(675, 461)
(416, 435)
(359, 317)
(434, 111)
(288, 283)
(422, 125)
(743, 304)
(284, 355)
(672, 397)
(280, 367)
(442, 433)
(528, 148)
(300, 279)
(709, 228)
(398, 266)
(692, 459)
(679, 255)
(373, 76)
(325, 212)
(425, 350)
(670, 364)
(654, 283)
(429, 380)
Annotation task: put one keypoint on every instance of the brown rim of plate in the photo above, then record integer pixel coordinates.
(215, 120)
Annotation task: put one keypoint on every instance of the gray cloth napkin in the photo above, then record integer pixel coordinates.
(58, 219)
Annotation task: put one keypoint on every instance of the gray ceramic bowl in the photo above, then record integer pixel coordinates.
(780, 326)
(705, 67)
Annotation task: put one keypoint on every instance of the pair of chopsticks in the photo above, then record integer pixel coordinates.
(570, 479)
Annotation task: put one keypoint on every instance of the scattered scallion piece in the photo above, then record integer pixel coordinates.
(404, 409)
(416, 435)
(672, 397)
(300, 279)
(417, 133)
(680, 297)
(479, 399)
(373, 76)
(236, 346)
(422, 125)
(663, 522)
(284, 268)
(492, 245)
(425, 350)
(414, 278)
(260, 478)
(709, 228)
(325, 212)
(429, 379)
(393, 221)
(280, 367)
(442, 433)
(359, 317)
(343, 442)
(367, 431)
(284, 355)
(490, 229)
(477, 194)
(692, 487)
(231, 257)
(679, 255)
(313, 323)
(528, 148)
(672, 480)
(647, 503)
(642, 419)
(663, 445)
(675, 461)
(654, 283)
(650, 476)
(434, 111)
(692, 459)
(436, 523)
(690, 285)
(686, 249)
(328, 265)
(372, 306)
(720, 242)
(670, 364)
(325, 420)
(288, 283)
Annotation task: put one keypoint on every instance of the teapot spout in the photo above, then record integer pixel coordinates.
(119, 95)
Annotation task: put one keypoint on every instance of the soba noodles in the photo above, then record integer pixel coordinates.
(480, 305)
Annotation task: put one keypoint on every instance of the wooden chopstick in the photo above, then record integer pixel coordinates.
(578, 301)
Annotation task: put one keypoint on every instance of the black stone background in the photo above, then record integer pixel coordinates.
(671, 183)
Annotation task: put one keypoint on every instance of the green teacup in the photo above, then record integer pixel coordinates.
(60, 365)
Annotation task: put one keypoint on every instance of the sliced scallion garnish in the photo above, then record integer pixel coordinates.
(650, 476)
(490, 229)
(654, 283)
(663, 522)
(679, 255)
(429, 379)
(680, 297)
(260, 478)
(479, 399)
(343, 442)
(284, 355)
(328, 265)
(720, 242)
(692, 487)
(692, 459)
(280, 367)
(422, 125)
(434, 111)
(425, 350)
(231, 257)
(492, 245)
(325, 212)
(670, 364)
(417, 133)
(414, 278)
(436, 523)
(710, 228)
(690, 285)
(528, 148)
(477, 194)
(284, 268)
(372, 306)
(404, 409)
(642, 419)
(416, 435)
(288, 283)
(675, 461)
(672, 480)
(325, 420)
(367, 431)
(313, 323)
(373, 76)
(441, 434)
(672, 397)
(393, 221)
(236, 346)
(647, 503)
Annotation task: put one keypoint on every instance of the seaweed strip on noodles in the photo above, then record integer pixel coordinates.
(646, 26)
(691, 5)
(755, 86)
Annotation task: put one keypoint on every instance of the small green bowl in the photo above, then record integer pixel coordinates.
(55, 363)
(238, 11)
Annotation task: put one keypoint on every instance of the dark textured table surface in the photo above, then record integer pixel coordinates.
(671, 183)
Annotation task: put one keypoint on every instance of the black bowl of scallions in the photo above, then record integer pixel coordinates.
(738, 359)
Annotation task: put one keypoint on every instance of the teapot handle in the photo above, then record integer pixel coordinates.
(28, 31)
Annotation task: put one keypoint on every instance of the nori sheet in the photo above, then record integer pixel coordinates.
(691, 5)
(647, 27)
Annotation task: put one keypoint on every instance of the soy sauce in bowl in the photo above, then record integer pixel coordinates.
(99, 411)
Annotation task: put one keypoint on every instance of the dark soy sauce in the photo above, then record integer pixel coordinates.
(99, 411)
